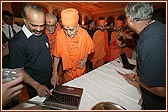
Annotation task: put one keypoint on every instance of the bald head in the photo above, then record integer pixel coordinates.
(51, 22)
(34, 18)
(51, 18)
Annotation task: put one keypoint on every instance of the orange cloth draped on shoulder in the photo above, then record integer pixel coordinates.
(51, 39)
(73, 50)
(106, 40)
(113, 51)
(101, 46)
(128, 51)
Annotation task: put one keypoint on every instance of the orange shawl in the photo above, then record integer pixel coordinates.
(106, 40)
(82, 45)
(51, 39)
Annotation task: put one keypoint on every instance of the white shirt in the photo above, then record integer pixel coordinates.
(6, 28)
(26, 31)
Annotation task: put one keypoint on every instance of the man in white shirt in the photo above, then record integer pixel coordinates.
(8, 27)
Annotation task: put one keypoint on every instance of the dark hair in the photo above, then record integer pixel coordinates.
(121, 17)
(34, 7)
(101, 18)
(110, 20)
(160, 15)
(90, 21)
(7, 13)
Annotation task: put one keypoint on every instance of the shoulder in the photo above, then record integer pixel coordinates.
(17, 26)
(82, 29)
(19, 38)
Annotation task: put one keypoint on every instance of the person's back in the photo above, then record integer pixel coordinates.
(151, 55)
(156, 62)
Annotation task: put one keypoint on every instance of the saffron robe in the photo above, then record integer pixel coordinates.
(72, 51)
(101, 46)
(51, 39)
(113, 51)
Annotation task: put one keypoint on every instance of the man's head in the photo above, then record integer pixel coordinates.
(119, 25)
(34, 18)
(91, 24)
(101, 24)
(69, 18)
(51, 23)
(7, 17)
(137, 12)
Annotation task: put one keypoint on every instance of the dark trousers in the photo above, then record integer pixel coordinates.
(152, 102)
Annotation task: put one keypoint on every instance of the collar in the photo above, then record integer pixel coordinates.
(26, 31)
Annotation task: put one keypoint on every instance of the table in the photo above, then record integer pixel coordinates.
(104, 84)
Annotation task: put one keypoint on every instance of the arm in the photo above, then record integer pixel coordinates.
(159, 91)
(55, 78)
(11, 89)
(82, 62)
(126, 35)
(5, 50)
(42, 90)
(135, 81)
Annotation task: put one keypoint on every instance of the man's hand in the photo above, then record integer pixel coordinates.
(82, 63)
(132, 79)
(42, 90)
(11, 89)
(54, 79)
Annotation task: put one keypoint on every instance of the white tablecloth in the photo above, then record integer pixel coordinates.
(104, 84)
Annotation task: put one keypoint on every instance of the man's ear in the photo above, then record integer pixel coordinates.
(130, 19)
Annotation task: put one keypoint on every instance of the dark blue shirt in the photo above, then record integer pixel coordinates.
(151, 63)
(33, 54)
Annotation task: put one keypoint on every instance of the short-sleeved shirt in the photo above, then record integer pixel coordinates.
(33, 54)
(151, 62)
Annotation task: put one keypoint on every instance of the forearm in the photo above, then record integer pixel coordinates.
(55, 64)
(5, 49)
(29, 80)
(159, 91)
(86, 58)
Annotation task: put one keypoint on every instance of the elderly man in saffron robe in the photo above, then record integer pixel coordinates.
(73, 45)
(50, 30)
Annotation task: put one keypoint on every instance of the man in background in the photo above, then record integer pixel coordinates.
(100, 38)
(51, 32)
(8, 27)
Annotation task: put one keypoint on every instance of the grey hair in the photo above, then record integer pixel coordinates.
(51, 16)
(139, 10)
